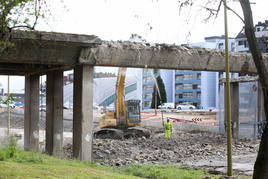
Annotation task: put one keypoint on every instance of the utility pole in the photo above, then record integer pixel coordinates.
(228, 97)
(8, 108)
(155, 99)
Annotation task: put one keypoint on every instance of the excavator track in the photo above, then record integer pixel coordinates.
(137, 132)
(109, 133)
(132, 132)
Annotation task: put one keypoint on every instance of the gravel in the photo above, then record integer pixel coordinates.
(182, 149)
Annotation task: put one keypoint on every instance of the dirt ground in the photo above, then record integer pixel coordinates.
(190, 148)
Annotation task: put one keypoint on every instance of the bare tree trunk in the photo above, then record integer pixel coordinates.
(261, 164)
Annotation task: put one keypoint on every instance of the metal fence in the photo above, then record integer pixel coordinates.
(250, 122)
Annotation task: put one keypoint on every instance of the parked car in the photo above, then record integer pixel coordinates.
(11, 105)
(3, 105)
(185, 106)
(166, 106)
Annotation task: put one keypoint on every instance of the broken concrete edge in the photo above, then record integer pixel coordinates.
(240, 79)
(68, 49)
(165, 56)
(56, 37)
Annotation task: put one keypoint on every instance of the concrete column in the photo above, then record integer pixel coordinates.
(261, 113)
(54, 113)
(83, 112)
(235, 109)
(31, 113)
(234, 91)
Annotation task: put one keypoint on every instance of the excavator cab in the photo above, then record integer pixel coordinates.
(133, 113)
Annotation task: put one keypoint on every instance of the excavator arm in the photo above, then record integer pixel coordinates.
(119, 97)
(126, 119)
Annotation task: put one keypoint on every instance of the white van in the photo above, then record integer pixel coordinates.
(167, 106)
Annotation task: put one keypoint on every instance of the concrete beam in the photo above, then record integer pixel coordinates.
(83, 112)
(162, 56)
(54, 113)
(48, 48)
(27, 69)
(65, 38)
(31, 113)
(60, 49)
(241, 79)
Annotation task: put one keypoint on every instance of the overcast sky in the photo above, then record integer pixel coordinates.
(158, 21)
(154, 20)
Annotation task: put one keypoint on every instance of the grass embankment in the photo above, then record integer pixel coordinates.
(20, 164)
(35, 165)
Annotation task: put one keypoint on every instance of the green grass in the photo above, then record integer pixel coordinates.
(21, 164)
(165, 171)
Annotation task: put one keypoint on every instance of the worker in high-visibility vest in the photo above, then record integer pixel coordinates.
(168, 128)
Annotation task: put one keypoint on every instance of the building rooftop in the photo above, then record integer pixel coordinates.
(242, 34)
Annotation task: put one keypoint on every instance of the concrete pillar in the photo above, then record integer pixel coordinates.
(31, 113)
(234, 91)
(261, 113)
(54, 113)
(83, 112)
(235, 109)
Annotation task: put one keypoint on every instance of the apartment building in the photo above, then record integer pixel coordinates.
(261, 32)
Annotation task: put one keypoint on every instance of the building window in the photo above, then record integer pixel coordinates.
(148, 87)
(245, 43)
(179, 86)
(187, 86)
(221, 46)
(184, 77)
(147, 104)
(147, 79)
(147, 96)
(196, 86)
(186, 102)
(221, 75)
(199, 76)
(258, 29)
(188, 95)
(232, 46)
(188, 77)
(178, 96)
(198, 94)
(179, 77)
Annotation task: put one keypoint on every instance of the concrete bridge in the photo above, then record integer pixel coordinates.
(39, 53)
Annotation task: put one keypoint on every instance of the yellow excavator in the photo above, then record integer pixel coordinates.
(125, 121)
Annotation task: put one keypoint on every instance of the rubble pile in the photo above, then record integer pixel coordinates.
(182, 147)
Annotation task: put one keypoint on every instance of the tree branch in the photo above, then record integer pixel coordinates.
(235, 14)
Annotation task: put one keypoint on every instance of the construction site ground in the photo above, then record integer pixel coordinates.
(188, 145)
